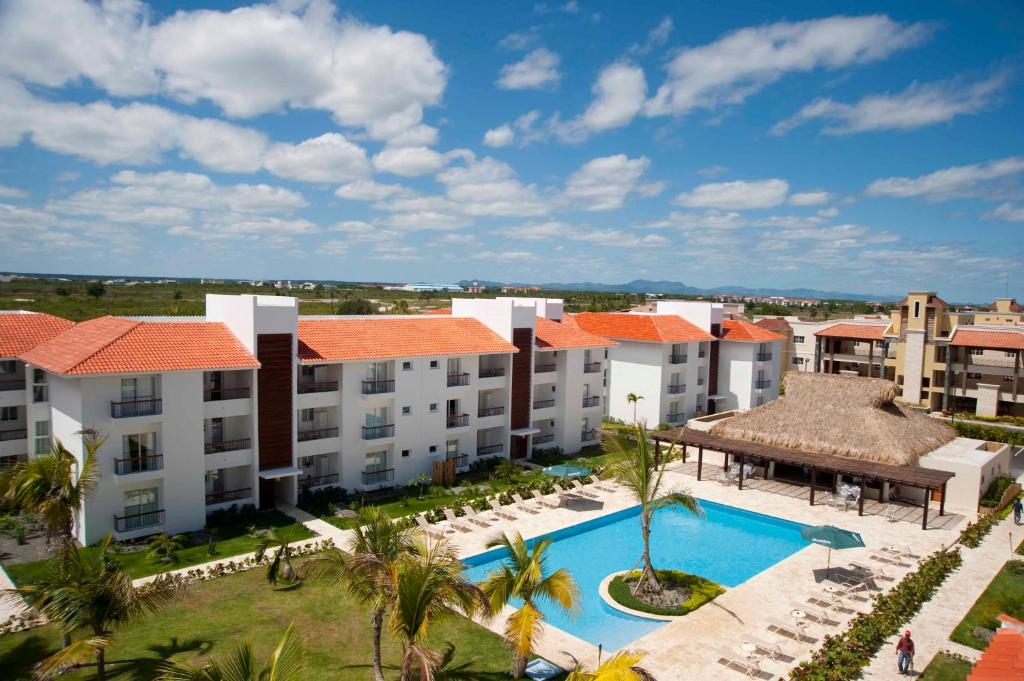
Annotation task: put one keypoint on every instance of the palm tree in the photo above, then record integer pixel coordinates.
(429, 589)
(92, 593)
(622, 666)
(371, 571)
(49, 486)
(633, 398)
(635, 467)
(285, 664)
(524, 575)
(280, 567)
(164, 547)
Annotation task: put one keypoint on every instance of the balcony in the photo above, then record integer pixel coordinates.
(491, 449)
(675, 418)
(762, 383)
(317, 434)
(702, 353)
(378, 432)
(138, 521)
(543, 404)
(592, 367)
(218, 394)
(378, 477)
(461, 461)
(591, 401)
(228, 445)
(490, 411)
(588, 435)
(12, 385)
(139, 464)
(16, 434)
(457, 379)
(228, 495)
(318, 481)
(677, 389)
(700, 380)
(543, 439)
(130, 408)
(764, 357)
(319, 387)
(544, 368)
(378, 387)
(458, 421)
(678, 359)
(492, 373)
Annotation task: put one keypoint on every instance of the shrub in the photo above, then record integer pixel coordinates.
(995, 491)
(701, 591)
(991, 433)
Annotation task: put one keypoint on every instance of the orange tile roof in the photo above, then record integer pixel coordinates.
(1010, 339)
(1003, 660)
(742, 330)
(774, 324)
(855, 331)
(112, 345)
(551, 335)
(337, 340)
(642, 327)
(21, 331)
(440, 310)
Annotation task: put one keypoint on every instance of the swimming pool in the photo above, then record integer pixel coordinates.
(729, 546)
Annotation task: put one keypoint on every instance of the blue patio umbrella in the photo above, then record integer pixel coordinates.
(832, 537)
(566, 470)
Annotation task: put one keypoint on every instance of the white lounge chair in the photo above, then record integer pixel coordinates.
(521, 504)
(600, 486)
(582, 490)
(539, 498)
(450, 517)
(739, 663)
(499, 511)
(790, 631)
(425, 526)
(889, 559)
(901, 552)
(565, 495)
(813, 614)
(474, 517)
(772, 650)
(873, 573)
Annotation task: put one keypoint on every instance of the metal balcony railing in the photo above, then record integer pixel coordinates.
(675, 418)
(543, 404)
(763, 383)
(139, 464)
(492, 373)
(317, 434)
(378, 387)
(378, 432)
(490, 411)
(591, 367)
(458, 420)
(489, 449)
(702, 353)
(228, 445)
(764, 356)
(543, 439)
(129, 408)
(318, 387)
(588, 435)
(12, 385)
(457, 379)
(544, 368)
(677, 389)
(461, 460)
(700, 381)
(228, 495)
(318, 480)
(677, 359)
(378, 477)
(138, 521)
(16, 434)
(218, 394)
(591, 401)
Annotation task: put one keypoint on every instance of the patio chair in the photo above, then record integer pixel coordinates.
(499, 511)
(890, 513)
(474, 517)
(814, 614)
(790, 631)
(521, 504)
(450, 517)
(602, 487)
(582, 490)
(565, 495)
(772, 650)
(888, 559)
(874, 573)
(539, 498)
(425, 526)
(739, 663)
(901, 552)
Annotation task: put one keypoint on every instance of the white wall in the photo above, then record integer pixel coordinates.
(698, 313)
(636, 367)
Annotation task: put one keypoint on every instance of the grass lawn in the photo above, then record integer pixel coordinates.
(219, 614)
(1004, 594)
(233, 540)
(945, 668)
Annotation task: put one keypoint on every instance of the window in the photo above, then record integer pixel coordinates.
(974, 375)
(798, 361)
(587, 356)
(433, 407)
(7, 366)
(1010, 354)
(451, 449)
(856, 343)
(140, 501)
(433, 449)
(798, 339)
(976, 351)
(215, 481)
(8, 413)
(917, 309)
(405, 453)
(40, 391)
(406, 366)
(377, 417)
(454, 366)
(376, 461)
(42, 437)
(306, 416)
(434, 364)
(138, 445)
(377, 371)
(406, 411)
(306, 372)
(139, 388)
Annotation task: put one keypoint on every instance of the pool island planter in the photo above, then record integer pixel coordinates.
(604, 590)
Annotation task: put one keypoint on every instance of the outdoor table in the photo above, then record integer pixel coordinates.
(749, 649)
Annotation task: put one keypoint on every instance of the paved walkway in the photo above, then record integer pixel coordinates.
(11, 605)
(315, 525)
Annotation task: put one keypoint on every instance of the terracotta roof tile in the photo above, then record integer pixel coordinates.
(641, 327)
(337, 340)
(742, 330)
(22, 331)
(440, 310)
(114, 345)
(553, 335)
(855, 331)
(1012, 338)
(774, 324)
(1003, 659)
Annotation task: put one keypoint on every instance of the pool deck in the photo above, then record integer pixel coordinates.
(688, 648)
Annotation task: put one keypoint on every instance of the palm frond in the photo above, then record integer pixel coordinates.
(622, 666)
(286, 663)
(560, 588)
(78, 653)
(522, 629)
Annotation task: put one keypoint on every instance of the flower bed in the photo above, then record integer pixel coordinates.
(696, 591)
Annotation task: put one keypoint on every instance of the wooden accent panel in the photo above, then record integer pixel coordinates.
(522, 376)
(274, 351)
(716, 331)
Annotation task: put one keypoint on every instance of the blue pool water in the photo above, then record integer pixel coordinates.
(728, 546)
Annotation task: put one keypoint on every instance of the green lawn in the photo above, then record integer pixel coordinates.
(221, 613)
(233, 541)
(1004, 594)
(945, 668)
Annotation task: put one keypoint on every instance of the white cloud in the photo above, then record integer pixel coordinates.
(12, 192)
(736, 195)
(521, 40)
(425, 220)
(554, 230)
(619, 94)
(369, 190)
(829, 212)
(1008, 212)
(988, 180)
(413, 161)
(656, 38)
(917, 106)
(712, 171)
(809, 198)
(502, 136)
(327, 158)
(504, 256)
(709, 220)
(742, 62)
(603, 183)
(490, 187)
(537, 69)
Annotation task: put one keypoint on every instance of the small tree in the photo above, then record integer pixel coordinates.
(633, 398)
(286, 663)
(622, 666)
(95, 289)
(280, 568)
(164, 547)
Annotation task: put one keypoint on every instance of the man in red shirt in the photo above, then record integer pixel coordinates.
(905, 653)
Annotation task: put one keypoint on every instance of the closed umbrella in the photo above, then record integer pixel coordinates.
(832, 537)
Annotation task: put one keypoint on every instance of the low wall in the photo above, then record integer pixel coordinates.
(1008, 496)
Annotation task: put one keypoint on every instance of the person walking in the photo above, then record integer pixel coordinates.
(1018, 508)
(905, 653)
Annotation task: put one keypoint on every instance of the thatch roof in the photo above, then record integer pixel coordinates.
(841, 416)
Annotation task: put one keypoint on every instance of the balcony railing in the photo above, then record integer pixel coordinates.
(318, 481)
(461, 460)
(218, 394)
(588, 435)
(318, 387)
(543, 404)
(12, 385)
(139, 464)
(228, 495)
(457, 379)
(16, 434)
(492, 373)
(138, 521)
(317, 434)
(764, 356)
(591, 367)
(675, 418)
(702, 353)
(378, 432)
(491, 449)
(763, 383)
(543, 439)
(378, 477)
(591, 401)
(677, 389)
(677, 359)
(228, 445)
(544, 368)
(378, 387)
(129, 408)
(458, 421)
(490, 411)
(700, 381)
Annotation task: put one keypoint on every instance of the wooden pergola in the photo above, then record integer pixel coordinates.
(928, 479)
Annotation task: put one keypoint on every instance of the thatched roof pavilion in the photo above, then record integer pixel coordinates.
(838, 415)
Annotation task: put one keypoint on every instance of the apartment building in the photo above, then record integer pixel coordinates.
(984, 373)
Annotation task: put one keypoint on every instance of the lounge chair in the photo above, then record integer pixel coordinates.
(499, 511)
(565, 495)
(873, 573)
(539, 498)
(425, 526)
(772, 650)
(473, 517)
(814, 614)
(450, 517)
(901, 552)
(521, 504)
(888, 559)
(582, 490)
(790, 631)
(601, 487)
(739, 663)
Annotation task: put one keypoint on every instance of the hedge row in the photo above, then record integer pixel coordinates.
(991, 433)
(701, 591)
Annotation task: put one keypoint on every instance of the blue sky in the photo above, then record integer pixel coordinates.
(861, 147)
